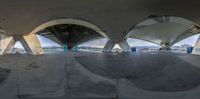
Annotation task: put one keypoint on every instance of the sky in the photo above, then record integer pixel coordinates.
(190, 40)
(136, 42)
(45, 42)
(18, 45)
(99, 42)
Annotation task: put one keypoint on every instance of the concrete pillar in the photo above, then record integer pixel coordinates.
(6, 43)
(125, 47)
(31, 44)
(65, 47)
(196, 49)
(109, 46)
(23, 42)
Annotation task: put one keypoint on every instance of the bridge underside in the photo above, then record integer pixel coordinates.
(69, 34)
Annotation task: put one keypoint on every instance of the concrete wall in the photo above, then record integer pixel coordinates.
(6, 43)
(33, 43)
(124, 45)
(108, 47)
(196, 49)
(30, 43)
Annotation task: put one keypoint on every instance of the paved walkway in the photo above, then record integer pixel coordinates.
(80, 75)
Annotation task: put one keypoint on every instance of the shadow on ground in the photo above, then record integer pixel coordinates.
(4, 74)
(160, 72)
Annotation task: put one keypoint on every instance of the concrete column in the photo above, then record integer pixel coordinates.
(109, 46)
(65, 47)
(31, 44)
(6, 43)
(125, 47)
(23, 42)
(196, 49)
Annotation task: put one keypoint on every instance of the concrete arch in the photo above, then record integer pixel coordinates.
(183, 38)
(144, 40)
(146, 30)
(158, 19)
(153, 20)
(70, 21)
(92, 40)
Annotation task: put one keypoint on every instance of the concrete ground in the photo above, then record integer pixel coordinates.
(78, 75)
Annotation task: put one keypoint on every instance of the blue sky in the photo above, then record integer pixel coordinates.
(190, 40)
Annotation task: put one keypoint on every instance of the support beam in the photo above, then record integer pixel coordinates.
(23, 42)
(6, 43)
(108, 47)
(31, 43)
(125, 47)
(196, 49)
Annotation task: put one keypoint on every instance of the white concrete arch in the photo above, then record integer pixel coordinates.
(70, 21)
(34, 44)
(174, 19)
(158, 28)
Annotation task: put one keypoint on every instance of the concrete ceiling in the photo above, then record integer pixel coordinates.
(158, 32)
(159, 29)
(115, 17)
(69, 34)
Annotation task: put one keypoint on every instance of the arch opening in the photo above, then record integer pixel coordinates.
(117, 48)
(138, 45)
(184, 45)
(69, 32)
(170, 29)
(95, 45)
(48, 45)
(17, 48)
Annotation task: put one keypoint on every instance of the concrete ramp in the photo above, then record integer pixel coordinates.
(91, 75)
(33, 76)
(82, 83)
(54, 76)
(160, 72)
(4, 73)
(41, 76)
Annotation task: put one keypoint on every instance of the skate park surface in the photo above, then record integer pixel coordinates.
(88, 75)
